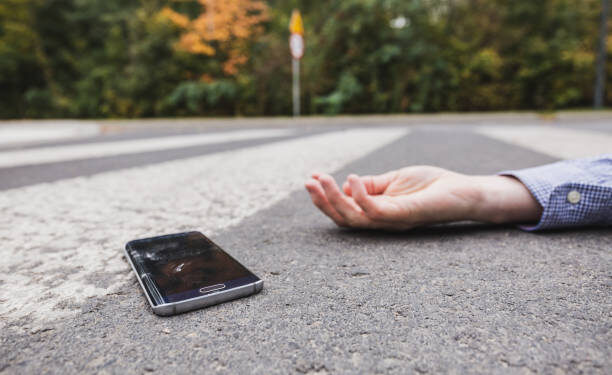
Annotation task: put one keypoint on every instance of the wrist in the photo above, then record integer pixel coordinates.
(504, 199)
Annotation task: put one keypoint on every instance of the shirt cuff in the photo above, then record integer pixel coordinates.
(566, 196)
(539, 188)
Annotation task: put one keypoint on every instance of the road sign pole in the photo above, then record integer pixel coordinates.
(600, 70)
(296, 87)
(296, 45)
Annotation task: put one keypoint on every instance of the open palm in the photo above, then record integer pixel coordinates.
(412, 196)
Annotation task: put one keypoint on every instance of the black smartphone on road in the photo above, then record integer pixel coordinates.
(186, 271)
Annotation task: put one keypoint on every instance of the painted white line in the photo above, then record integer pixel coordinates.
(49, 131)
(62, 242)
(557, 142)
(55, 154)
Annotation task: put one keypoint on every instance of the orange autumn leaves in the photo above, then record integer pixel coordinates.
(224, 27)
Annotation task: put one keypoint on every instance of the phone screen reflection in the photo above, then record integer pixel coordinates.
(179, 264)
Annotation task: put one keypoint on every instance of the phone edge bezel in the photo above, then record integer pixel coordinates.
(208, 299)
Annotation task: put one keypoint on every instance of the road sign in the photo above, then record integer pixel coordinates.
(296, 44)
(296, 26)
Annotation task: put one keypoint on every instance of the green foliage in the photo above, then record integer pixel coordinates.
(192, 98)
(348, 89)
(117, 58)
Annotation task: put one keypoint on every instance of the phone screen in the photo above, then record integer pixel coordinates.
(181, 264)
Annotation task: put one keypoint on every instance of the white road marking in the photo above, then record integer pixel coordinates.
(24, 132)
(60, 239)
(55, 154)
(557, 142)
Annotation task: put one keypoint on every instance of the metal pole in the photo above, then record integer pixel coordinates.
(600, 80)
(296, 87)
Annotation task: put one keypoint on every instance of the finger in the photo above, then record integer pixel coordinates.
(374, 185)
(346, 187)
(346, 207)
(369, 205)
(379, 183)
(315, 175)
(317, 195)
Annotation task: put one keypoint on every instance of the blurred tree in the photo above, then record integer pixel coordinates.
(26, 75)
(224, 26)
(134, 58)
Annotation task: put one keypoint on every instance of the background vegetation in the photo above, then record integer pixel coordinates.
(137, 58)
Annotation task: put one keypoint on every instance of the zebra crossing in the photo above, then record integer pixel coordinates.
(75, 227)
(62, 239)
(80, 223)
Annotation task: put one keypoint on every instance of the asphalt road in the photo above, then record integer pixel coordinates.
(458, 298)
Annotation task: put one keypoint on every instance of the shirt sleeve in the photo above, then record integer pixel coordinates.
(571, 192)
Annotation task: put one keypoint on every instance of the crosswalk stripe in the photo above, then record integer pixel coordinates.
(60, 239)
(56, 154)
(561, 143)
(26, 132)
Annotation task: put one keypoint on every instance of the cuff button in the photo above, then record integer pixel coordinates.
(573, 196)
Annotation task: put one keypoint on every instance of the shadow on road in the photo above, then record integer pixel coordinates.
(457, 230)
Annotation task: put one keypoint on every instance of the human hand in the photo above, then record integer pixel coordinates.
(421, 195)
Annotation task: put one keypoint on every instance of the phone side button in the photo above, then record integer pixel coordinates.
(212, 288)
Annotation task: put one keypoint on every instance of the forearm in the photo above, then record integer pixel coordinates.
(503, 199)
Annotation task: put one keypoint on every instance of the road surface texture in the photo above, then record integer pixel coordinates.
(457, 298)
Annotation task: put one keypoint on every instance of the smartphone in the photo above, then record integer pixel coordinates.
(187, 271)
